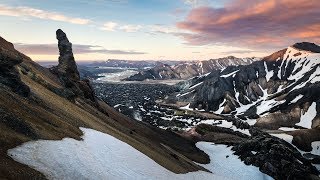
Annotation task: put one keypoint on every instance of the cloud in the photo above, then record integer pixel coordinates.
(261, 23)
(162, 29)
(195, 3)
(109, 26)
(130, 28)
(112, 26)
(52, 49)
(25, 12)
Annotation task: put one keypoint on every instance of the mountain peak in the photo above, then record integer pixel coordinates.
(307, 46)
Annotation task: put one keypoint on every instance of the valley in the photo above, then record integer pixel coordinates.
(260, 118)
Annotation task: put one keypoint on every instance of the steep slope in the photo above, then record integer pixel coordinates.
(189, 69)
(279, 91)
(53, 104)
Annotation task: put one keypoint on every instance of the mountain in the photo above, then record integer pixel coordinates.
(278, 92)
(130, 63)
(186, 70)
(53, 126)
(38, 104)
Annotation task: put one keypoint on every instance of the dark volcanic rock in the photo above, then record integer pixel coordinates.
(68, 72)
(9, 75)
(307, 46)
(67, 67)
(274, 157)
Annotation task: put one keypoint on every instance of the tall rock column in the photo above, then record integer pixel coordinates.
(68, 72)
(67, 68)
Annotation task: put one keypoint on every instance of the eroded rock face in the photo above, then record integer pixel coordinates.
(68, 72)
(9, 75)
(67, 67)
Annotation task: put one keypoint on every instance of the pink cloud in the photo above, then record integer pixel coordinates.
(261, 23)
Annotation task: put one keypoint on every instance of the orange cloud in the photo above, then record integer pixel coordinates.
(256, 23)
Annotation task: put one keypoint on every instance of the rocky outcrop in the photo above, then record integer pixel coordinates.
(186, 70)
(67, 67)
(9, 75)
(68, 72)
(274, 157)
(307, 46)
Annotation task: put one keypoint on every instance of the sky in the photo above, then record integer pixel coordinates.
(159, 29)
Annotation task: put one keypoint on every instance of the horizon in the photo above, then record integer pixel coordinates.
(184, 30)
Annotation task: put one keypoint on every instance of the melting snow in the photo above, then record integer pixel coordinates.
(192, 87)
(307, 117)
(221, 107)
(269, 74)
(230, 74)
(296, 99)
(101, 156)
(285, 137)
(315, 148)
(187, 107)
(287, 129)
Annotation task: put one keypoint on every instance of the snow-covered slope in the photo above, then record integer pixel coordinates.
(259, 88)
(280, 92)
(101, 156)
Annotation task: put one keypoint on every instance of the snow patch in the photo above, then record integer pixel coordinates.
(101, 156)
(296, 99)
(230, 74)
(307, 117)
(285, 137)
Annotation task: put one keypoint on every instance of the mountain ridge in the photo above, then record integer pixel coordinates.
(276, 91)
(188, 69)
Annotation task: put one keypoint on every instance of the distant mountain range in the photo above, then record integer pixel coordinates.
(185, 70)
(136, 64)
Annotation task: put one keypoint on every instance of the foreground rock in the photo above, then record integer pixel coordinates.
(274, 157)
(9, 74)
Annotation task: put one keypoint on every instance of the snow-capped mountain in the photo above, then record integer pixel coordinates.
(279, 91)
(186, 70)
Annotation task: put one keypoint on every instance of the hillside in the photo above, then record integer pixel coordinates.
(51, 104)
